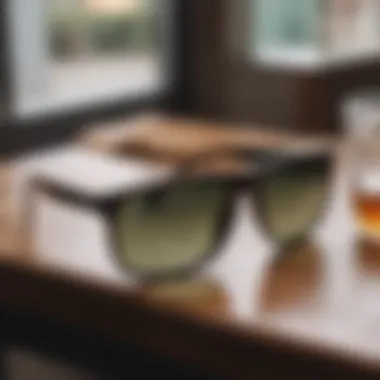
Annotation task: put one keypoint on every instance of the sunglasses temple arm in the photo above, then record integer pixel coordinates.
(57, 193)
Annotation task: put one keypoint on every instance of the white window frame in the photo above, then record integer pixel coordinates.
(30, 60)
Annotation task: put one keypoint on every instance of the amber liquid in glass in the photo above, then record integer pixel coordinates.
(367, 210)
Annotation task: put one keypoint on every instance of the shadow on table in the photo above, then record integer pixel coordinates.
(292, 280)
(203, 295)
(367, 259)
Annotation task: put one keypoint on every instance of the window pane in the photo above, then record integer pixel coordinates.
(70, 53)
(290, 22)
(313, 31)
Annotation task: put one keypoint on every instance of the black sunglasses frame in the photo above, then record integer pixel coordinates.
(270, 163)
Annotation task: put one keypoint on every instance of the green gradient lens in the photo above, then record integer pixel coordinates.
(290, 200)
(172, 231)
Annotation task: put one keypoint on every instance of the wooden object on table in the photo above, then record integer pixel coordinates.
(173, 140)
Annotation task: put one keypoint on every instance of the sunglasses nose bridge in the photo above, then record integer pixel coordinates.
(246, 215)
(245, 186)
(243, 193)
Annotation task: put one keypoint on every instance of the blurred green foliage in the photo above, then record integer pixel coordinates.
(72, 33)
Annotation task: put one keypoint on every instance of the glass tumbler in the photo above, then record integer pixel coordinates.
(363, 126)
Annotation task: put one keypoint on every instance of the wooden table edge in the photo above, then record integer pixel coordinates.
(210, 344)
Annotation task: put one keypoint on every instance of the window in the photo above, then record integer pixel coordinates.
(315, 31)
(76, 53)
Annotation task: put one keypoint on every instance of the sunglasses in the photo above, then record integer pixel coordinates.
(172, 229)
